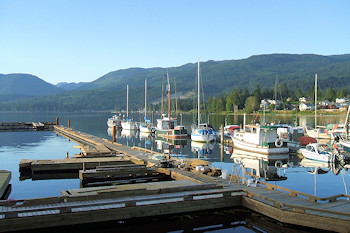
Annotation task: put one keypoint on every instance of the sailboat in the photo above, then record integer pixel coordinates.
(146, 126)
(319, 132)
(167, 125)
(128, 124)
(202, 132)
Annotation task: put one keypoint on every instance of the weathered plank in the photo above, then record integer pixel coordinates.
(5, 177)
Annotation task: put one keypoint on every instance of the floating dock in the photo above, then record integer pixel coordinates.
(26, 126)
(5, 177)
(187, 190)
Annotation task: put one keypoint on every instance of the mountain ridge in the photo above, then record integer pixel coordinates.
(219, 77)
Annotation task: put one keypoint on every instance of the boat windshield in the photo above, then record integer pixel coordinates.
(324, 148)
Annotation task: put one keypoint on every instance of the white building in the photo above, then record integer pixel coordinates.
(342, 100)
(306, 106)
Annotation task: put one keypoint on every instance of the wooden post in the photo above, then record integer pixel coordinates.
(84, 167)
(68, 123)
(57, 120)
(222, 143)
(67, 155)
(114, 134)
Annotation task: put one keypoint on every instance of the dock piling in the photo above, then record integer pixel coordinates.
(114, 134)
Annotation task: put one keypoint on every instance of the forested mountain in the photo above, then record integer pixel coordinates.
(294, 72)
(70, 86)
(25, 85)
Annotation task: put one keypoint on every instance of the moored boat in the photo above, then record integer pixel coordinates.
(321, 152)
(260, 139)
(128, 124)
(115, 120)
(202, 132)
(167, 127)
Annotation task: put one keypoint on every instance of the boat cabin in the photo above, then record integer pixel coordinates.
(257, 134)
(165, 123)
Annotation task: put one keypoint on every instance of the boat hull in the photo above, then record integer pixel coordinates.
(202, 137)
(128, 125)
(251, 147)
(172, 133)
(315, 156)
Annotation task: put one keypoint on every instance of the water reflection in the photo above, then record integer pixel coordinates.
(173, 147)
(26, 138)
(203, 150)
(255, 166)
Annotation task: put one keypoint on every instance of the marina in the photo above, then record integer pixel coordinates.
(148, 179)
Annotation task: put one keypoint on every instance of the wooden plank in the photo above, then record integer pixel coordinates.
(5, 177)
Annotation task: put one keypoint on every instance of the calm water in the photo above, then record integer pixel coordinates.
(15, 146)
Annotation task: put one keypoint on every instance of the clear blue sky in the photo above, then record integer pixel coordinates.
(81, 40)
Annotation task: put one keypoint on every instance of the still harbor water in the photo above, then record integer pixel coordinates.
(289, 171)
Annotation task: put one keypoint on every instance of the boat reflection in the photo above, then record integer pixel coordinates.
(254, 166)
(202, 149)
(171, 146)
(317, 167)
(117, 132)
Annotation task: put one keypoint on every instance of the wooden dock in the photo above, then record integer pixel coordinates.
(5, 177)
(186, 190)
(26, 126)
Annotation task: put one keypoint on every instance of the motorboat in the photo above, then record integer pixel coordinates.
(319, 152)
(259, 138)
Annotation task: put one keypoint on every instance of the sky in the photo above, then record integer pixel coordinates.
(81, 40)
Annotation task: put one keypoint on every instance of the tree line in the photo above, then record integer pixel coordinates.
(239, 99)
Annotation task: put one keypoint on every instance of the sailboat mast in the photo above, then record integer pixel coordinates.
(176, 104)
(145, 99)
(168, 88)
(315, 100)
(127, 100)
(162, 105)
(198, 94)
(276, 93)
(347, 123)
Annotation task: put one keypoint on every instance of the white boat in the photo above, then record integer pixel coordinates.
(146, 126)
(128, 124)
(259, 139)
(115, 120)
(319, 152)
(319, 132)
(202, 132)
(167, 126)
